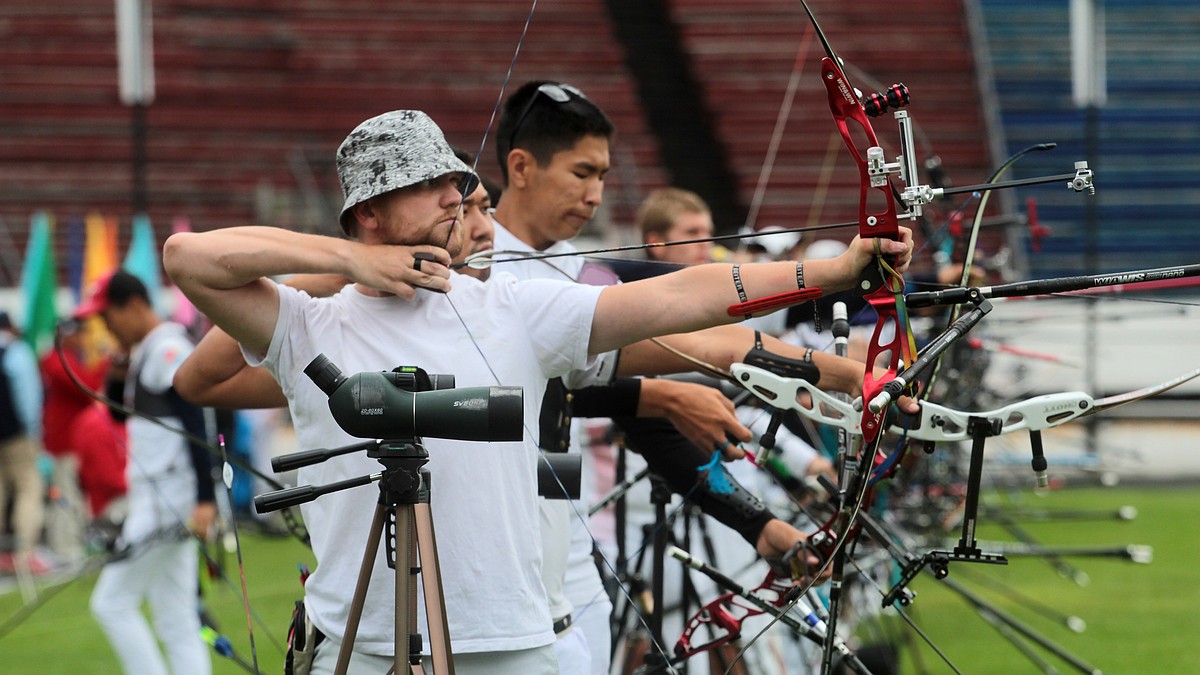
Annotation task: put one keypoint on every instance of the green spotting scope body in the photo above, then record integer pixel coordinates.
(375, 405)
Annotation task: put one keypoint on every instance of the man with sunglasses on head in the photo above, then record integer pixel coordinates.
(553, 145)
(403, 188)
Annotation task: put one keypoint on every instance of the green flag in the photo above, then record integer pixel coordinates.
(39, 283)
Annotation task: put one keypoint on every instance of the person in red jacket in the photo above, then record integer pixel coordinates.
(100, 440)
(64, 401)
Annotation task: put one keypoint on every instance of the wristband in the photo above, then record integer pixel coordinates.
(741, 290)
(737, 283)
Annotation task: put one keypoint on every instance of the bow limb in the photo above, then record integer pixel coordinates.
(1110, 402)
(972, 241)
(936, 423)
(774, 596)
(723, 614)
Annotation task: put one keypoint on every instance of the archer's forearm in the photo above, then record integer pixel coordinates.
(233, 257)
(681, 302)
(215, 375)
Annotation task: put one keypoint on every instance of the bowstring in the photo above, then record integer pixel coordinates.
(781, 119)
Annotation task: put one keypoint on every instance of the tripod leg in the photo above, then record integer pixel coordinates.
(405, 627)
(416, 664)
(360, 591)
(435, 601)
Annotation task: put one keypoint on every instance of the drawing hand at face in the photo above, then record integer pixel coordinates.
(401, 269)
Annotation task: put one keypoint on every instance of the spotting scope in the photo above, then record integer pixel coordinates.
(385, 405)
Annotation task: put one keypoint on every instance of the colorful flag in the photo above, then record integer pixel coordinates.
(39, 283)
(141, 260)
(99, 258)
(100, 251)
(76, 243)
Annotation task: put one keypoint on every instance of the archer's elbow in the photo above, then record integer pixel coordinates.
(189, 385)
(178, 257)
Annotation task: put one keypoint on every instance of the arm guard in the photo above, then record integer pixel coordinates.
(675, 459)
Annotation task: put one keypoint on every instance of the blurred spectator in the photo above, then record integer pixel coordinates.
(20, 436)
(100, 443)
(672, 214)
(65, 400)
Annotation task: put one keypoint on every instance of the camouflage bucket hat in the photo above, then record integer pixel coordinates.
(391, 151)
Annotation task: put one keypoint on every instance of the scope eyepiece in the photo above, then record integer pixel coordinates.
(327, 376)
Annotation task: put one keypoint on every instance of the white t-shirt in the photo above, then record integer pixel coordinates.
(569, 572)
(566, 268)
(484, 495)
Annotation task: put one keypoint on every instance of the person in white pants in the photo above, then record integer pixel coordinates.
(170, 481)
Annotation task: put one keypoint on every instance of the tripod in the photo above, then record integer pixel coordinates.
(402, 515)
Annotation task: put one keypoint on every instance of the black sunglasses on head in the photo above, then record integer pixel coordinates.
(559, 93)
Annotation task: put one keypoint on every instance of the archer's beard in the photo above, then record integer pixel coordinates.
(453, 241)
(438, 235)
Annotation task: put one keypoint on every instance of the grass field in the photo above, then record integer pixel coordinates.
(61, 637)
(1140, 618)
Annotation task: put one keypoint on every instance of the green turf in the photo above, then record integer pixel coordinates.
(1140, 618)
(61, 636)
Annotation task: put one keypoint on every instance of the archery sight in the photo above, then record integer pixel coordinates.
(915, 196)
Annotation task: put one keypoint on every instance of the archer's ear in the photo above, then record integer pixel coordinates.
(365, 214)
(520, 164)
